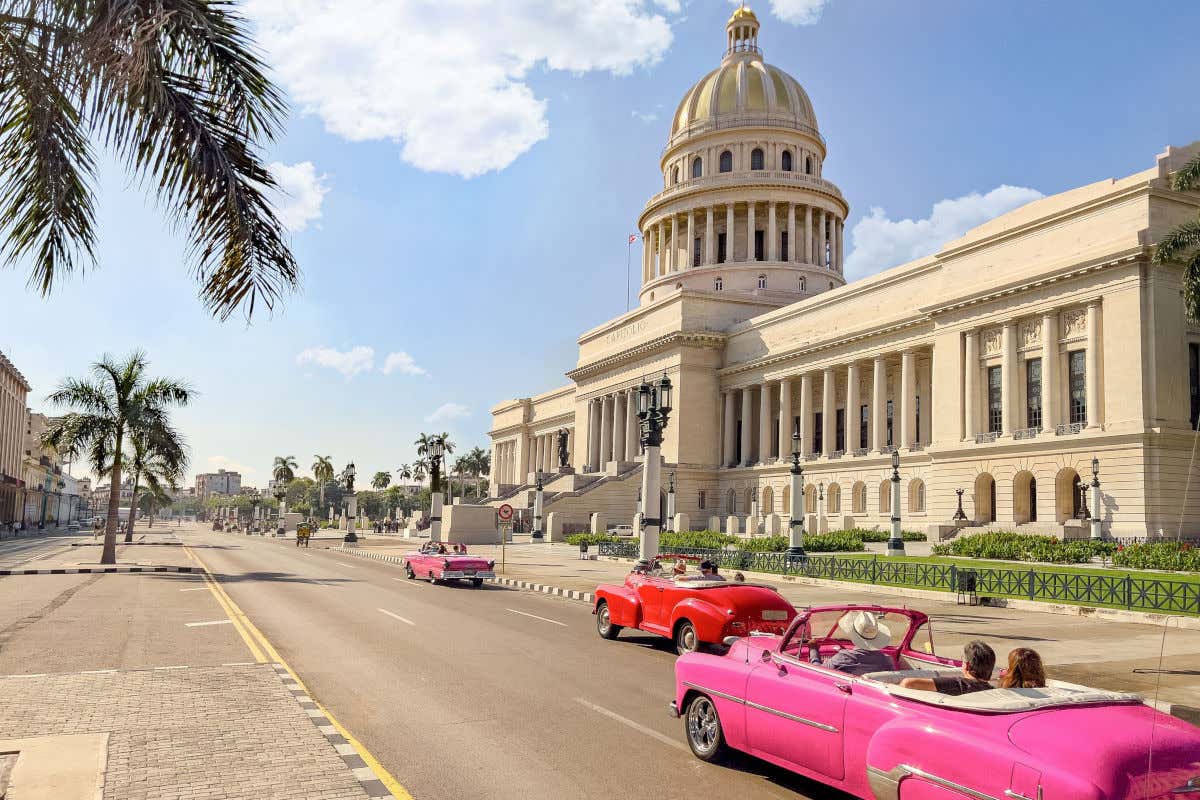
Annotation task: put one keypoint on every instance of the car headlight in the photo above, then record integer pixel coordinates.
(491, 565)
(447, 563)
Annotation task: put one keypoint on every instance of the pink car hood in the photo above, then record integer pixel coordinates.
(1117, 751)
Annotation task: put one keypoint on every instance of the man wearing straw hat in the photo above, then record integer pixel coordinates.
(869, 637)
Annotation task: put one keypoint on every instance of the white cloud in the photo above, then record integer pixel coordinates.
(349, 363)
(401, 362)
(799, 12)
(644, 116)
(448, 411)
(879, 242)
(302, 190)
(446, 80)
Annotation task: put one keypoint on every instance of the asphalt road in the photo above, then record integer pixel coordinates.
(478, 693)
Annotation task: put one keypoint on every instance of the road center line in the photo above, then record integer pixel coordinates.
(347, 566)
(200, 589)
(212, 622)
(407, 582)
(535, 616)
(395, 616)
(637, 726)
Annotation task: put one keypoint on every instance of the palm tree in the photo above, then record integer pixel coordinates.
(381, 480)
(404, 473)
(284, 469)
(1182, 244)
(155, 498)
(420, 469)
(176, 90)
(481, 464)
(158, 454)
(118, 401)
(322, 470)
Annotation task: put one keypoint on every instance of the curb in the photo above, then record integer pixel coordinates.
(362, 773)
(94, 570)
(1179, 711)
(127, 544)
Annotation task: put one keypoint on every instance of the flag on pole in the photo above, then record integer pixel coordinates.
(632, 238)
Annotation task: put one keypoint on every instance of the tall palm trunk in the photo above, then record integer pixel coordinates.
(108, 555)
(137, 477)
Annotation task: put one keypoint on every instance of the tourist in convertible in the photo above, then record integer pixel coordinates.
(978, 662)
(869, 637)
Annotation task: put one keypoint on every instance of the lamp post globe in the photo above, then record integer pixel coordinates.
(796, 523)
(895, 545)
(654, 408)
(437, 447)
(1097, 511)
(351, 503)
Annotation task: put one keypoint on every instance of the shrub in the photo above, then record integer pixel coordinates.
(883, 536)
(686, 540)
(764, 544)
(1010, 546)
(592, 539)
(838, 541)
(1158, 555)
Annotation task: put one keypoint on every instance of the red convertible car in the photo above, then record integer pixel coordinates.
(689, 610)
(873, 738)
(431, 564)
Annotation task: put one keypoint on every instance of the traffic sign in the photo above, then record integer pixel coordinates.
(504, 512)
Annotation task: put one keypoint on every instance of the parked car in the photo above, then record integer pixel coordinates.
(621, 530)
(872, 738)
(428, 564)
(693, 613)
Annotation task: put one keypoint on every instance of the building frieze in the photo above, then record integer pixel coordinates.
(713, 340)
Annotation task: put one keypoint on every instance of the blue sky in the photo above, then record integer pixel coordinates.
(459, 149)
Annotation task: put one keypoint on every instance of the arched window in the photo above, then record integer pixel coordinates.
(885, 497)
(916, 496)
(803, 284)
(768, 500)
(762, 281)
(718, 284)
(786, 166)
(834, 499)
(675, 175)
(858, 501)
(726, 163)
(697, 167)
(756, 158)
(808, 165)
(810, 499)
(731, 502)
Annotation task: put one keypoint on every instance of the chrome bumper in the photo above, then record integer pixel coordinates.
(458, 573)
(674, 710)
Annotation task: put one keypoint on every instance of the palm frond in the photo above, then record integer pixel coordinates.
(1181, 240)
(1187, 179)
(1191, 286)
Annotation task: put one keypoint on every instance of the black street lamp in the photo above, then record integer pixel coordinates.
(669, 522)
(437, 448)
(959, 515)
(895, 545)
(537, 534)
(1097, 523)
(796, 525)
(351, 503)
(654, 409)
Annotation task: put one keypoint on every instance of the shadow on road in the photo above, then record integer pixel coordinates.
(265, 577)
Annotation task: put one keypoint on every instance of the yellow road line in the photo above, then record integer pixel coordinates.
(255, 635)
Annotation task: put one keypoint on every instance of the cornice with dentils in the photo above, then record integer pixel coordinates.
(706, 339)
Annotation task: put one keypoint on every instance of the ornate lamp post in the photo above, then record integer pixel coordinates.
(538, 495)
(959, 515)
(255, 502)
(654, 408)
(895, 545)
(669, 522)
(351, 503)
(281, 496)
(1097, 524)
(437, 449)
(796, 525)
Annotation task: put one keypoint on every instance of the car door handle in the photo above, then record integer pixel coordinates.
(843, 687)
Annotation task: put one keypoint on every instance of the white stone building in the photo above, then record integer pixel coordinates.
(1001, 365)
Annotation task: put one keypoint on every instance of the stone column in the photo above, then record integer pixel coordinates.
(539, 458)
(821, 239)
(808, 235)
(772, 245)
(691, 239)
(785, 418)
(879, 405)
(606, 431)
(619, 426)
(1095, 413)
(672, 244)
(841, 245)
(551, 452)
(828, 411)
(852, 404)
(730, 444)
(632, 442)
(750, 231)
(806, 414)
(710, 237)
(729, 228)
(594, 433)
(747, 418)
(793, 250)
(970, 378)
(1008, 375)
(647, 253)
(764, 423)
(1050, 394)
(661, 242)
(908, 398)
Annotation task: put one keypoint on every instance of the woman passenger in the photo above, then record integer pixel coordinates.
(1024, 671)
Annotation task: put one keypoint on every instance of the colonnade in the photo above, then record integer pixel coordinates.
(514, 459)
(868, 424)
(820, 232)
(612, 428)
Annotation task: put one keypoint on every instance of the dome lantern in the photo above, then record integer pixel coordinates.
(741, 32)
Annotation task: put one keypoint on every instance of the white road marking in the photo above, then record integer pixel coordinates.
(637, 726)
(535, 616)
(347, 566)
(180, 666)
(211, 622)
(395, 616)
(238, 664)
(97, 671)
(407, 582)
(201, 589)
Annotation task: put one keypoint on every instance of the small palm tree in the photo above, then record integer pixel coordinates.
(381, 480)
(404, 473)
(156, 497)
(322, 470)
(1182, 244)
(482, 462)
(119, 400)
(420, 469)
(284, 469)
(156, 453)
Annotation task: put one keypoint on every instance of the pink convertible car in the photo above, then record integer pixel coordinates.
(434, 566)
(868, 736)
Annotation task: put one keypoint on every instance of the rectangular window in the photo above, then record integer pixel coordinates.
(720, 248)
(863, 418)
(818, 432)
(890, 419)
(696, 252)
(758, 245)
(737, 440)
(1077, 369)
(783, 246)
(1194, 381)
(1033, 393)
(917, 411)
(840, 426)
(995, 400)
(700, 500)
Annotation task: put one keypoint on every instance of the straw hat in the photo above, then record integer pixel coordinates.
(865, 631)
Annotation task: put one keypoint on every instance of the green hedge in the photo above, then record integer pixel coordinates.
(707, 540)
(836, 542)
(1158, 555)
(1010, 546)
(883, 536)
(591, 539)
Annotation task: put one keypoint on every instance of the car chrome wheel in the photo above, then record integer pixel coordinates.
(704, 733)
(604, 623)
(686, 640)
(408, 570)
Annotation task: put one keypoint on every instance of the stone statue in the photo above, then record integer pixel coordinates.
(563, 458)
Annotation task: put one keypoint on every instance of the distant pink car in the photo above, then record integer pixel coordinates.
(870, 737)
(437, 567)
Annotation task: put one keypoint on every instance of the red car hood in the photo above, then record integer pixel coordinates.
(1115, 740)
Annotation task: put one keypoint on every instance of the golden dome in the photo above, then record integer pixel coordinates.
(746, 88)
(742, 13)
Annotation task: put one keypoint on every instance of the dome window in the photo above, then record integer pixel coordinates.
(726, 161)
(697, 167)
(675, 176)
(762, 281)
(808, 165)
(718, 284)
(756, 158)
(787, 161)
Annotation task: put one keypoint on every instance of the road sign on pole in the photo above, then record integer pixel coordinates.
(505, 512)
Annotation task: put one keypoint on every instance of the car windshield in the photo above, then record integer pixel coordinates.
(824, 626)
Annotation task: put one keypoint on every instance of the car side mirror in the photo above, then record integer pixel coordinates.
(766, 656)
(730, 641)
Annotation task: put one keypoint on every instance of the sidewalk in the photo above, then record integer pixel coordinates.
(1122, 656)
